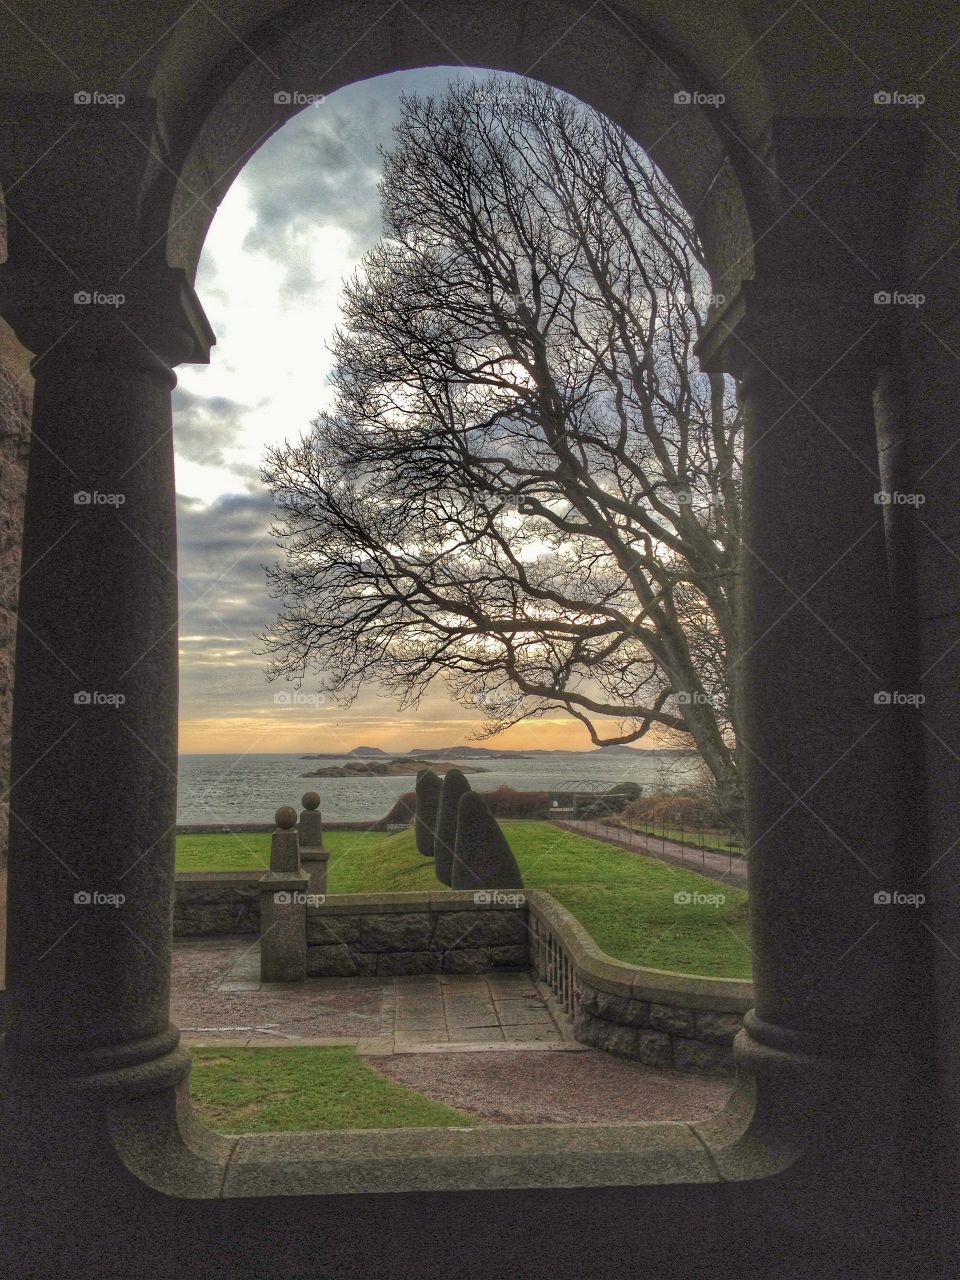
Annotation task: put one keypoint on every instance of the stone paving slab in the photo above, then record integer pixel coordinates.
(217, 996)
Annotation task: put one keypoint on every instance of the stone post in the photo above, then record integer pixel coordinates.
(283, 905)
(313, 856)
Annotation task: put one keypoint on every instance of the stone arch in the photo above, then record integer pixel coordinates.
(610, 61)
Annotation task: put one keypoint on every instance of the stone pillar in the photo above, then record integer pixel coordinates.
(283, 906)
(87, 290)
(93, 797)
(313, 856)
(819, 698)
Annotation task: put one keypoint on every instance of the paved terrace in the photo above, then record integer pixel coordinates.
(495, 1044)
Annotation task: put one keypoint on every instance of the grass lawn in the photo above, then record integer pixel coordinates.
(625, 900)
(277, 1090)
(691, 836)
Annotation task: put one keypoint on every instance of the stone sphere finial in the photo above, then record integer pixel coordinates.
(311, 801)
(286, 817)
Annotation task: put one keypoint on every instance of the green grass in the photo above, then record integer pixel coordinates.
(691, 837)
(278, 1090)
(625, 900)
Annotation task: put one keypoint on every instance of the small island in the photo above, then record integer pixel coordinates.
(401, 767)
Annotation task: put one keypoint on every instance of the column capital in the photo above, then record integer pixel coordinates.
(86, 179)
(150, 315)
(802, 327)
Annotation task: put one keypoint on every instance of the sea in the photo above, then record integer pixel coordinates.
(250, 788)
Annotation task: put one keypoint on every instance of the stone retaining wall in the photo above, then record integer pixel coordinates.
(208, 903)
(660, 1018)
(414, 933)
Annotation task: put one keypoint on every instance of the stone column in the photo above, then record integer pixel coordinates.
(93, 797)
(313, 856)
(818, 689)
(283, 905)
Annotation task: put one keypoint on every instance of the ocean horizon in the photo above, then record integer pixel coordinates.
(217, 787)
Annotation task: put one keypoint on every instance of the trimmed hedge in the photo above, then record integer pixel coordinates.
(428, 802)
(455, 785)
(482, 857)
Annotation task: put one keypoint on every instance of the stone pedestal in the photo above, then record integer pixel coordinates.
(283, 927)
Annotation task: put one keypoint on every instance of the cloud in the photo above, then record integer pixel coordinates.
(322, 170)
(223, 548)
(203, 426)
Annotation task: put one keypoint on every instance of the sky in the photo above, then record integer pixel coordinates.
(293, 226)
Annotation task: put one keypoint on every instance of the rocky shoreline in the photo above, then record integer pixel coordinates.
(402, 767)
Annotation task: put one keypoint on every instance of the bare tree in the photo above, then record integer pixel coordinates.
(525, 485)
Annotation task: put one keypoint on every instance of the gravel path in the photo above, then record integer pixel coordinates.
(556, 1088)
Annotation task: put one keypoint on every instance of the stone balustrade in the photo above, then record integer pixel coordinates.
(660, 1018)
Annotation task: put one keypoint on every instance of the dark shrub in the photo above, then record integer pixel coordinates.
(404, 809)
(455, 785)
(482, 857)
(428, 802)
(504, 802)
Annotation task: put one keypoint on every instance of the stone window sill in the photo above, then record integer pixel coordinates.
(160, 1142)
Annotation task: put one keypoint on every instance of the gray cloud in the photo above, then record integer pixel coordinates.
(222, 550)
(320, 169)
(203, 426)
(323, 168)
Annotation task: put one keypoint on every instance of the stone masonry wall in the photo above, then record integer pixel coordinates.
(207, 904)
(661, 1035)
(366, 934)
(15, 399)
(661, 1019)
